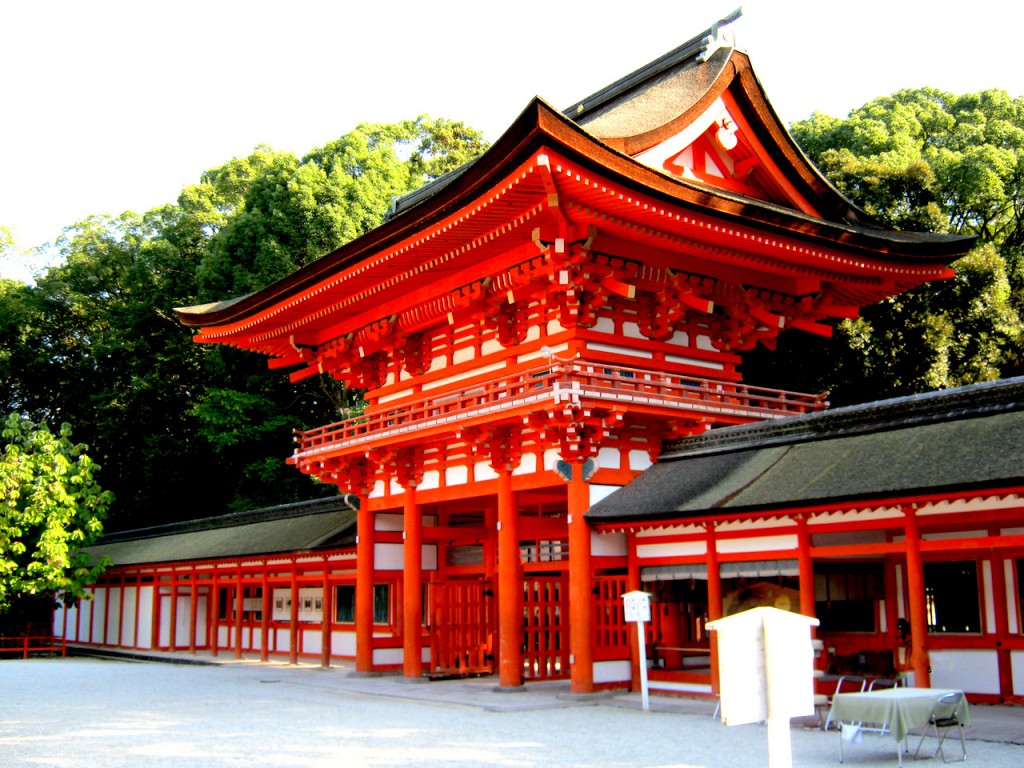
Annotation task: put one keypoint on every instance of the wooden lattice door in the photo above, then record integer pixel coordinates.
(545, 627)
(461, 632)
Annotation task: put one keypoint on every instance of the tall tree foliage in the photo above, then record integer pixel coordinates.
(932, 161)
(186, 430)
(51, 505)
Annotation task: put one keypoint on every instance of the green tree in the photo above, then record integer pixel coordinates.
(931, 161)
(51, 506)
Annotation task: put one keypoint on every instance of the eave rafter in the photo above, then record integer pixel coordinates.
(621, 228)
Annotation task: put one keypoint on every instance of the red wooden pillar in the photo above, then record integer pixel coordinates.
(805, 569)
(714, 600)
(120, 610)
(364, 588)
(239, 611)
(214, 612)
(266, 608)
(172, 632)
(412, 580)
(510, 594)
(325, 627)
(193, 610)
(581, 611)
(633, 584)
(293, 624)
(1002, 624)
(916, 598)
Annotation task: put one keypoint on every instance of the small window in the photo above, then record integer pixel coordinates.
(951, 597)
(345, 603)
(846, 596)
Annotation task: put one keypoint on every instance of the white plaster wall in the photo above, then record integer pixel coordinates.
(85, 618)
(312, 641)
(128, 619)
(98, 615)
(609, 458)
(343, 643)
(182, 620)
(1011, 596)
(679, 549)
(1017, 670)
(639, 461)
(763, 544)
(387, 557)
(388, 656)
(387, 523)
(694, 361)
(973, 671)
(456, 475)
(608, 544)
(527, 466)
(612, 671)
(113, 615)
(490, 347)
(482, 470)
(431, 480)
(612, 349)
(145, 638)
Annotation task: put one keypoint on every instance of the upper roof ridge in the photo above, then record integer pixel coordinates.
(695, 50)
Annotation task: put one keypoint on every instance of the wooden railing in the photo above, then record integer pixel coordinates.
(569, 382)
(29, 644)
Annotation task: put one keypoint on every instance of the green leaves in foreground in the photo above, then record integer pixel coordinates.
(51, 506)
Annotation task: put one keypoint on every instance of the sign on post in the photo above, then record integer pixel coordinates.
(637, 608)
(766, 673)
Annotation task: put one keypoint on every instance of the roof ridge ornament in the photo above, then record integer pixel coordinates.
(722, 36)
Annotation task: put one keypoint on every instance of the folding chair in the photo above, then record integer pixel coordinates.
(945, 715)
(853, 683)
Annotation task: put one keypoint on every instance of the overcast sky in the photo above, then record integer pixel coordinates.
(110, 105)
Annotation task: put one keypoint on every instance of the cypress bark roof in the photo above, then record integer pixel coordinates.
(956, 440)
(300, 527)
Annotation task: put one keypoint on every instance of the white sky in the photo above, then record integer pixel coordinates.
(109, 105)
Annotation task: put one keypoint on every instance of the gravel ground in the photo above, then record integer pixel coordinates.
(94, 713)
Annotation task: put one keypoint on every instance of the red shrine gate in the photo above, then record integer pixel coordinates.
(529, 332)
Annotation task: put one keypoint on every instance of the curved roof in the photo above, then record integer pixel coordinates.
(450, 222)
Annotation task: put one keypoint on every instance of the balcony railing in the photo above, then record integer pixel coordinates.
(549, 386)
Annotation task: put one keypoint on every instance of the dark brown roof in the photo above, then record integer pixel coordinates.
(956, 440)
(300, 527)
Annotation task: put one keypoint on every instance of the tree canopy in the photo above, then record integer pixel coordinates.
(931, 161)
(186, 430)
(51, 505)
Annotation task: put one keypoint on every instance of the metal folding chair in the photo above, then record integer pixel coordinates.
(945, 715)
(852, 683)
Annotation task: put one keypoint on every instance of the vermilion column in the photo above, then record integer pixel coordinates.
(714, 600)
(510, 592)
(193, 611)
(805, 568)
(239, 610)
(916, 599)
(580, 587)
(412, 580)
(293, 628)
(633, 584)
(326, 617)
(364, 588)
